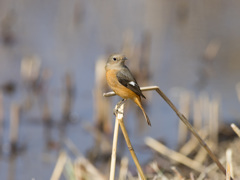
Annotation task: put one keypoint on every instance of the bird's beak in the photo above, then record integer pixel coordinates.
(124, 58)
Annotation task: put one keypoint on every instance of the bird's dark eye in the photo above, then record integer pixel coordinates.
(114, 59)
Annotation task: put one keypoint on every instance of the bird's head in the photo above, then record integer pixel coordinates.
(115, 61)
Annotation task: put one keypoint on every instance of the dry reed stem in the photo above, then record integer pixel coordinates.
(202, 154)
(235, 129)
(176, 156)
(213, 122)
(91, 168)
(177, 173)
(210, 168)
(228, 173)
(159, 174)
(197, 114)
(192, 144)
(14, 126)
(123, 169)
(184, 120)
(237, 87)
(229, 163)
(1, 119)
(184, 103)
(125, 134)
(62, 159)
(114, 145)
(192, 176)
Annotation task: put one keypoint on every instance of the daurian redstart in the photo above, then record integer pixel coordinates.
(122, 82)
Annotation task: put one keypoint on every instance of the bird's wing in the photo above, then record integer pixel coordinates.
(126, 78)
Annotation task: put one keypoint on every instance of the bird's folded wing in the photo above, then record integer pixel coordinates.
(125, 77)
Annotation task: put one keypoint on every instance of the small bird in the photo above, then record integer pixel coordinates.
(122, 82)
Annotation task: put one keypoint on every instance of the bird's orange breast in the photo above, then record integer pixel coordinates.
(117, 87)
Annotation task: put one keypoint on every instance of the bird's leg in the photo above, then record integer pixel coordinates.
(115, 111)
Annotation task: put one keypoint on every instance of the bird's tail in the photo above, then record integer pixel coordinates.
(138, 102)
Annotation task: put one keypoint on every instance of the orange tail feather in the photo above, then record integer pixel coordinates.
(138, 102)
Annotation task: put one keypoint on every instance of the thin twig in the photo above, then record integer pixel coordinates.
(184, 120)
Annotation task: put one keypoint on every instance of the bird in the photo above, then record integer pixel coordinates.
(122, 82)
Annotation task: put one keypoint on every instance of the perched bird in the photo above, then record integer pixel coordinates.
(122, 82)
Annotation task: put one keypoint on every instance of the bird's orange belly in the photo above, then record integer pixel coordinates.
(117, 87)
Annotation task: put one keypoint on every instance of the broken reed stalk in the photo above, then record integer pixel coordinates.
(184, 104)
(236, 129)
(177, 173)
(229, 164)
(192, 144)
(69, 96)
(184, 120)
(83, 162)
(1, 119)
(210, 168)
(123, 169)
(62, 159)
(114, 146)
(14, 127)
(135, 159)
(176, 156)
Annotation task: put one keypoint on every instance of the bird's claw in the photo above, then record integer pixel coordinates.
(116, 112)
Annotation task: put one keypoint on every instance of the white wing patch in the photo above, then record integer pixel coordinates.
(132, 83)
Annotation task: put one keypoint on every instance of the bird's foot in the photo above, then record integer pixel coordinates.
(116, 111)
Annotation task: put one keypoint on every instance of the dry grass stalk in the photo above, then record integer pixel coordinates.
(125, 134)
(177, 173)
(192, 176)
(237, 87)
(14, 126)
(69, 97)
(184, 120)
(184, 103)
(202, 154)
(228, 173)
(236, 129)
(213, 122)
(176, 156)
(102, 107)
(82, 161)
(192, 144)
(69, 171)
(83, 169)
(62, 159)
(1, 119)
(229, 164)
(210, 168)
(114, 145)
(123, 169)
(197, 114)
(159, 175)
